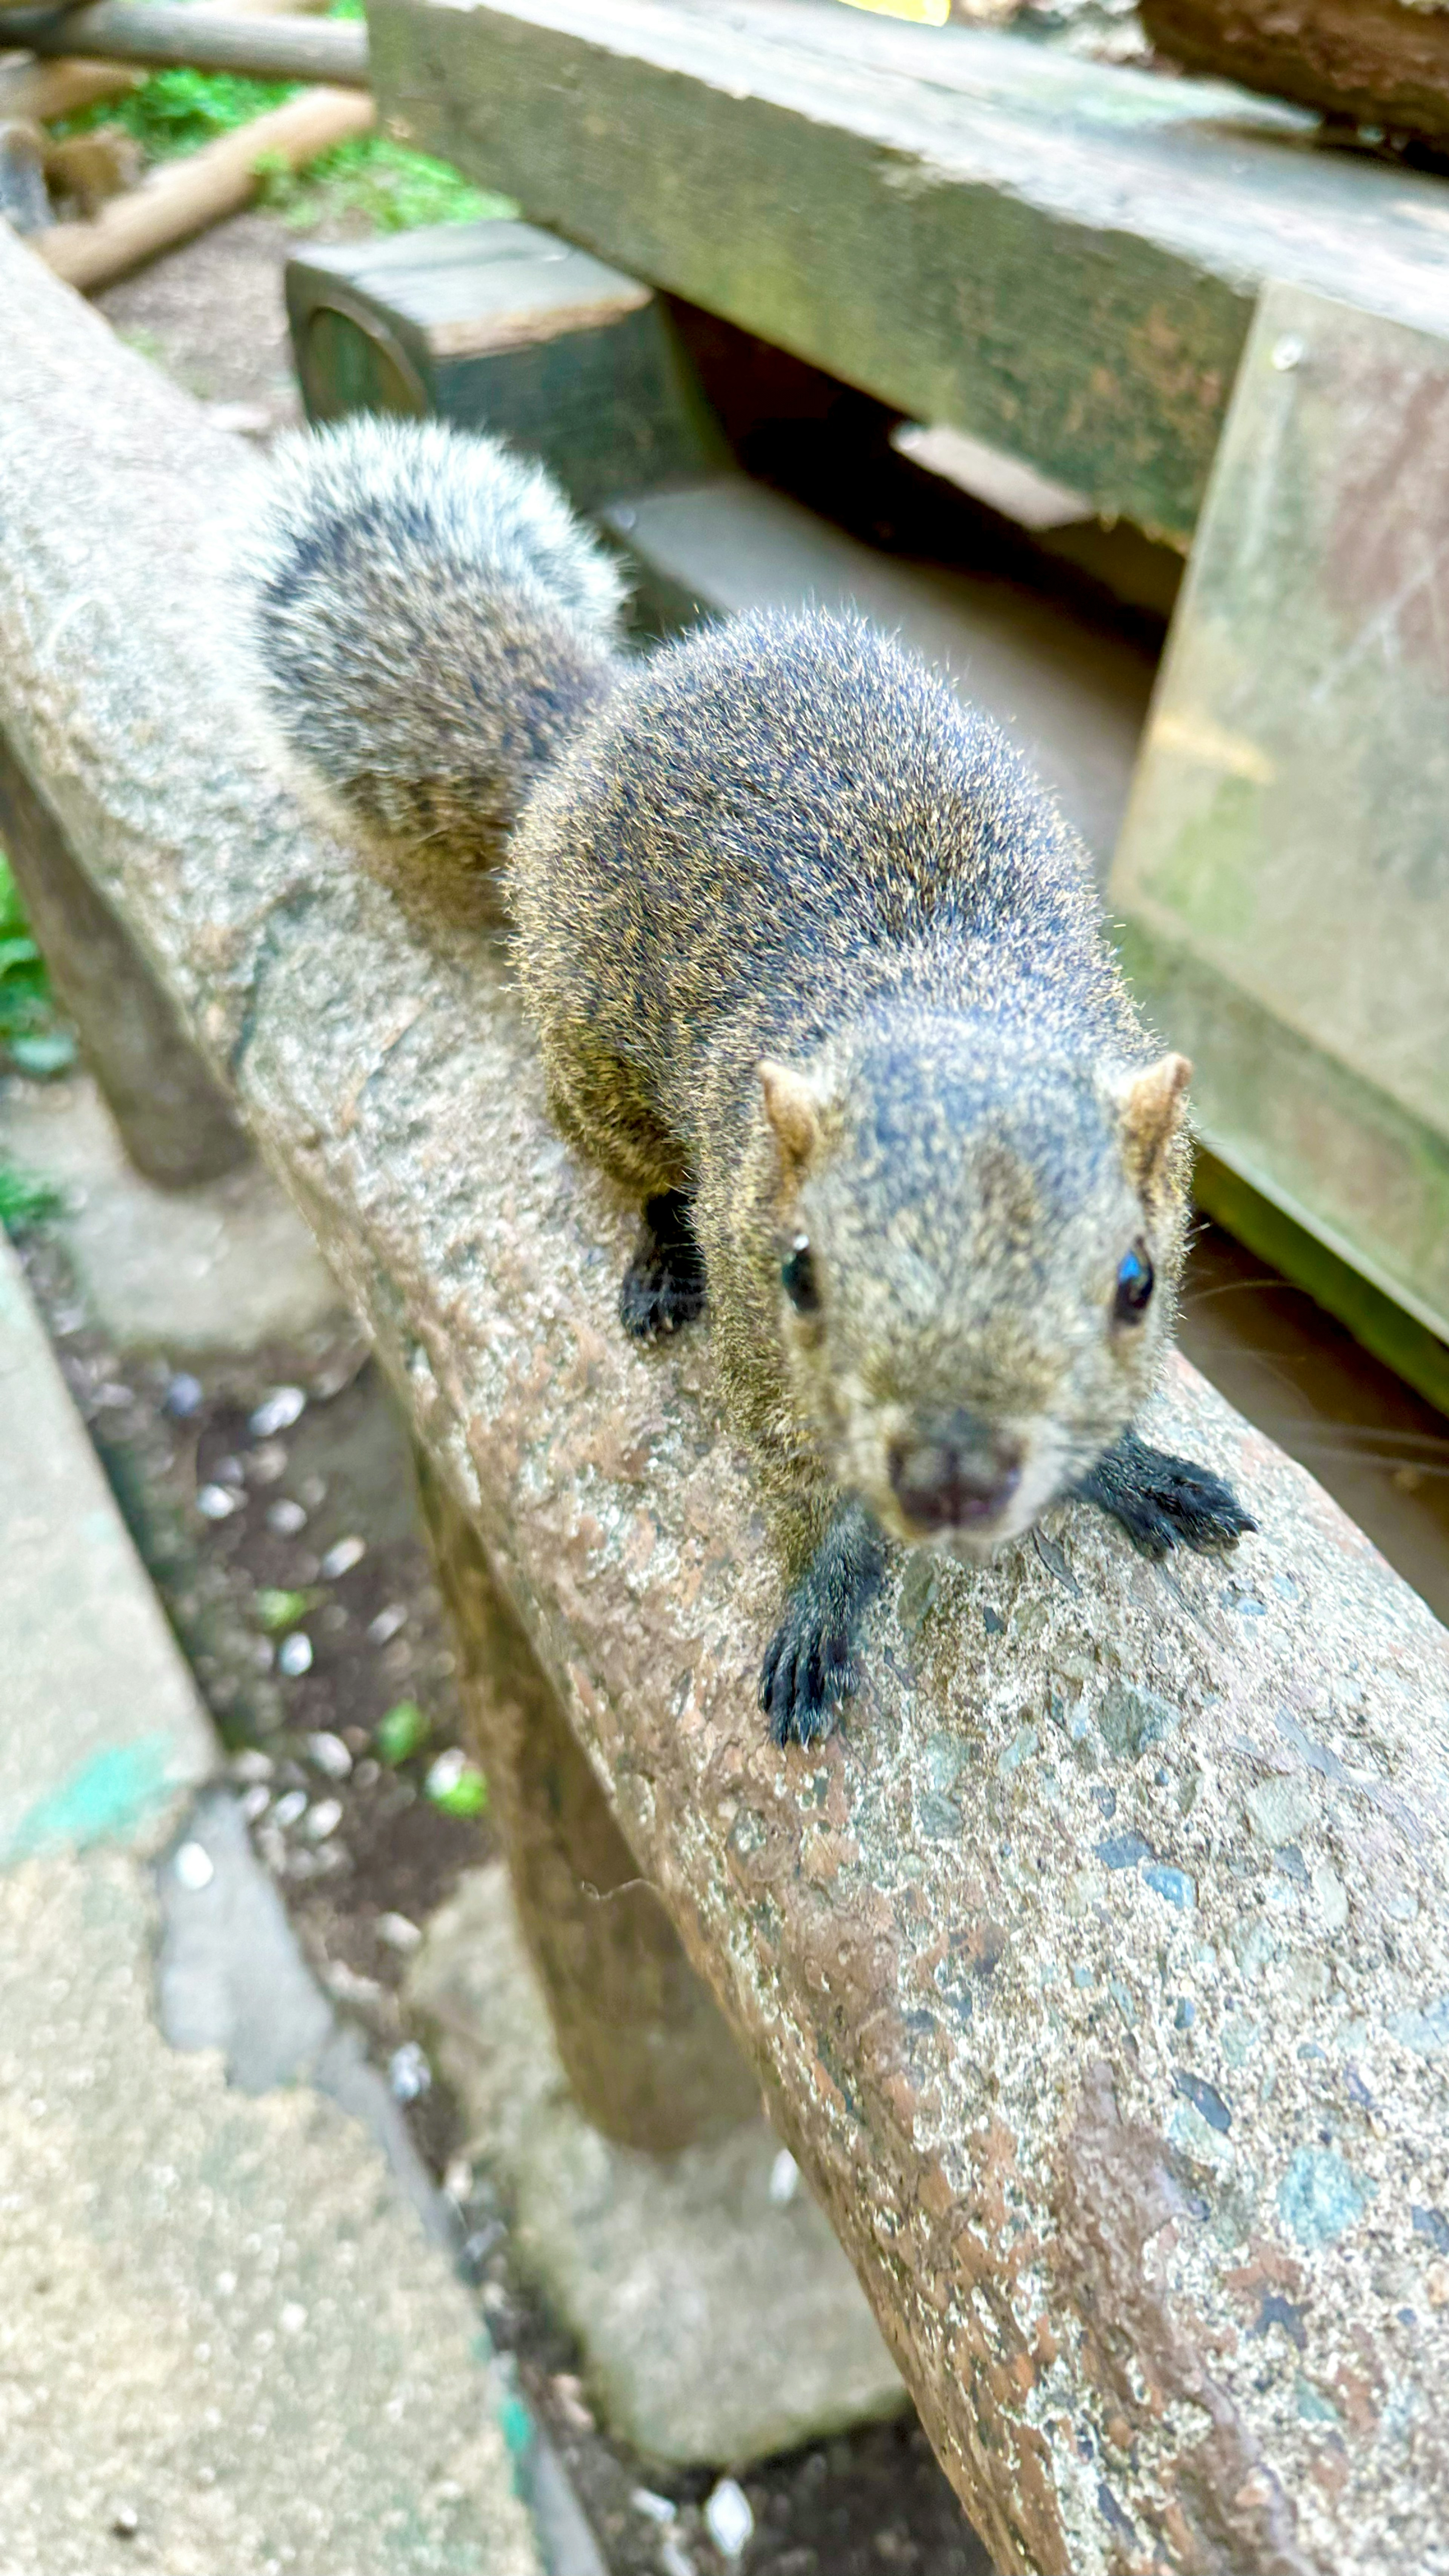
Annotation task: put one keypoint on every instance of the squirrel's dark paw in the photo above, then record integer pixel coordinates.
(1164, 1502)
(809, 1668)
(664, 1285)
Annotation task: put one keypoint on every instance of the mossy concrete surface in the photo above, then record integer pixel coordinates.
(225, 2341)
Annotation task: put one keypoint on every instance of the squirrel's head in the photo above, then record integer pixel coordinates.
(977, 1258)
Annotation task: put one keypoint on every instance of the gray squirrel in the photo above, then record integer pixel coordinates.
(820, 980)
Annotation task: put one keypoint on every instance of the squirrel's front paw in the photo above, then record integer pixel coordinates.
(1164, 1502)
(664, 1285)
(809, 1668)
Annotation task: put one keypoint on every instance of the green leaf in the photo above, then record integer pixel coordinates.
(24, 1199)
(17, 952)
(401, 1732)
(464, 1793)
(277, 1609)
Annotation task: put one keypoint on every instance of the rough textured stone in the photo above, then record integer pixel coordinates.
(82, 1629)
(971, 2025)
(716, 2324)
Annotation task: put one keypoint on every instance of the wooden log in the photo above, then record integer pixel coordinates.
(1095, 1967)
(1060, 257)
(271, 48)
(48, 90)
(182, 197)
(1381, 62)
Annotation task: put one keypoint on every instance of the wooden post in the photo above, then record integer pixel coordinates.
(649, 2056)
(176, 1122)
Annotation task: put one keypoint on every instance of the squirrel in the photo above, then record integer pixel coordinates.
(820, 979)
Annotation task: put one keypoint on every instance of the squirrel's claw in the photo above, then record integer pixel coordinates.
(1164, 1502)
(664, 1285)
(811, 1661)
(809, 1668)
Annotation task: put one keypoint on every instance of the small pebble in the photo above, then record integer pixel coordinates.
(277, 1412)
(655, 2508)
(784, 2179)
(215, 1504)
(330, 1754)
(387, 1624)
(266, 1464)
(728, 2518)
(325, 1818)
(125, 2522)
(228, 1471)
(342, 1558)
(286, 1518)
(295, 1653)
(445, 1774)
(312, 1491)
(291, 1809)
(195, 1867)
(251, 1764)
(398, 1932)
(183, 1396)
(368, 1773)
(409, 2073)
(255, 1803)
(458, 2180)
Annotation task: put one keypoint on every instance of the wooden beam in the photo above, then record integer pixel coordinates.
(1095, 1966)
(262, 48)
(1057, 256)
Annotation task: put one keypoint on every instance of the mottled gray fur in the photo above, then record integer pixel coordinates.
(430, 623)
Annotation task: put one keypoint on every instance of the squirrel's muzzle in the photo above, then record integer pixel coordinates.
(955, 1473)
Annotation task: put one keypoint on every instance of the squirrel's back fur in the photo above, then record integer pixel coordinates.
(819, 976)
(430, 623)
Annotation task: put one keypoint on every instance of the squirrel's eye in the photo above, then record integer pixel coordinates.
(1134, 1286)
(798, 1278)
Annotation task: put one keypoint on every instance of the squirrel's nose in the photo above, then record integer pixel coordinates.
(955, 1470)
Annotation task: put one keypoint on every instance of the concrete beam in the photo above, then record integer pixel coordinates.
(1096, 1968)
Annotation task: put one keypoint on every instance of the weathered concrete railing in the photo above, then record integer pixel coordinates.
(1096, 1970)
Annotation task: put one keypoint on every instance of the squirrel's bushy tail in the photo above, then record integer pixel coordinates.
(430, 620)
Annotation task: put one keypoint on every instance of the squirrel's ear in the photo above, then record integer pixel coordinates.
(792, 1107)
(1152, 1105)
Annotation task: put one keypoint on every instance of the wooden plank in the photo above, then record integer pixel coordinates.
(498, 325)
(1282, 873)
(1058, 256)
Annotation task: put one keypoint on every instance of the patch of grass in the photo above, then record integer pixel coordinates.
(395, 190)
(25, 1199)
(34, 1036)
(391, 188)
(177, 111)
